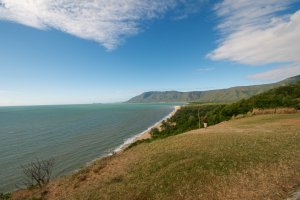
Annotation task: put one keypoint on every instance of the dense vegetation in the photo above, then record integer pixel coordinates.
(186, 119)
(223, 95)
(5, 196)
(191, 117)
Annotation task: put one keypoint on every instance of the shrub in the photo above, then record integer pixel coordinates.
(5, 196)
(38, 172)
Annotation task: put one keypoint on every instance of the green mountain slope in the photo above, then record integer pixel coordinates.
(223, 95)
(284, 99)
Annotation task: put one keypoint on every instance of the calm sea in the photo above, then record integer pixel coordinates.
(72, 134)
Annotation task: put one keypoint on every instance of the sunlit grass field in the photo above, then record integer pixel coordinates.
(251, 158)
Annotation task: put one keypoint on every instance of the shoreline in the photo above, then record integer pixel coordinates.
(140, 136)
(119, 149)
(122, 164)
(145, 134)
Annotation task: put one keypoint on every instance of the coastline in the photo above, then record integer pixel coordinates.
(140, 136)
(118, 149)
(119, 174)
(145, 134)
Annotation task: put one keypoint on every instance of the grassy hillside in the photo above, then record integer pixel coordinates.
(187, 118)
(224, 95)
(251, 158)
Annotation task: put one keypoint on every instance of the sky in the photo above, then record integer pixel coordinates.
(105, 51)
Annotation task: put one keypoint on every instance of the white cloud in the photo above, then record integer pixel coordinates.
(278, 73)
(107, 22)
(103, 21)
(253, 33)
(238, 15)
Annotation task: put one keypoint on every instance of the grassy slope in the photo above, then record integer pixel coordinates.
(250, 158)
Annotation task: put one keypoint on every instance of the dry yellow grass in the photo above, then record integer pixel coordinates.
(258, 111)
(250, 158)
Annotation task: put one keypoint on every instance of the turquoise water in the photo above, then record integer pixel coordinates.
(72, 134)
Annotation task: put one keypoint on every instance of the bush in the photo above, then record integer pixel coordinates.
(186, 119)
(5, 196)
(38, 172)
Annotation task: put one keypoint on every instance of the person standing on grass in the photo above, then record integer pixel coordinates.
(205, 121)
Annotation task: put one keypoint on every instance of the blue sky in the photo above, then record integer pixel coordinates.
(63, 51)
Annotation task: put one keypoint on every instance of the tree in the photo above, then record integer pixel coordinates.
(38, 172)
(199, 119)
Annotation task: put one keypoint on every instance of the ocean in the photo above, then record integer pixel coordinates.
(73, 135)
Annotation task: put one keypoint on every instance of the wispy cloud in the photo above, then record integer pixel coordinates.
(107, 22)
(278, 73)
(205, 69)
(188, 7)
(255, 33)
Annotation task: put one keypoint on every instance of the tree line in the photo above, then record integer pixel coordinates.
(191, 116)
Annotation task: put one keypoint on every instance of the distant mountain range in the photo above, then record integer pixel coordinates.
(222, 95)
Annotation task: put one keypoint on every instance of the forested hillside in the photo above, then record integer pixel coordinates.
(223, 95)
(191, 116)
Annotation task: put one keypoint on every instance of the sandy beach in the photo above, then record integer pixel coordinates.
(147, 134)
